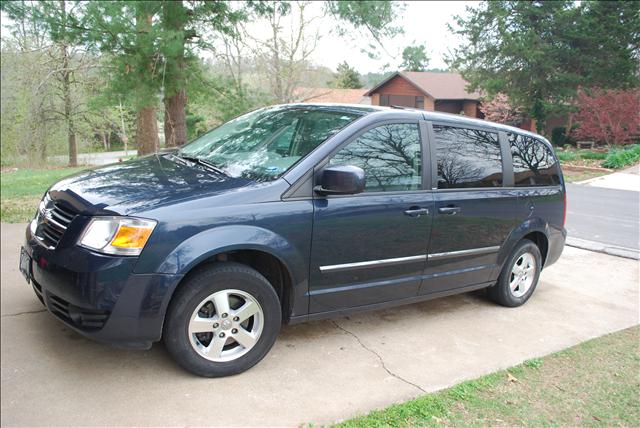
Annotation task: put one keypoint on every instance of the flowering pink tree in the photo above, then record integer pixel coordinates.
(499, 110)
(609, 116)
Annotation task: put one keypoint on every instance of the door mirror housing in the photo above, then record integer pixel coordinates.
(341, 180)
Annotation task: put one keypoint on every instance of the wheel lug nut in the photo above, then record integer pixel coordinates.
(225, 315)
(216, 325)
(234, 331)
(236, 318)
(221, 334)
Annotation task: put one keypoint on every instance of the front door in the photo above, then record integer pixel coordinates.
(372, 247)
(474, 213)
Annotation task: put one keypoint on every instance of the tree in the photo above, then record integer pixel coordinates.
(414, 58)
(538, 53)
(346, 77)
(373, 16)
(51, 20)
(285, 56)
(185, 28)
(499, 110)
(609, 116)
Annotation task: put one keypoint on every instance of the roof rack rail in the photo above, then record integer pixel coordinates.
(399, 107)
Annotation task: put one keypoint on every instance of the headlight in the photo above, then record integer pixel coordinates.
(123, 236)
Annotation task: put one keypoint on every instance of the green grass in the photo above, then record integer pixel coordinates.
(21, 190)
(588, 154)
(619, 158)
(566, 156)
(593, 384)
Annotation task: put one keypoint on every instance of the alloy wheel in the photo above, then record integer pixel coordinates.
(522, 275)
(226, 325)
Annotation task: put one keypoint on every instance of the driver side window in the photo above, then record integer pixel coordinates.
(390, 156)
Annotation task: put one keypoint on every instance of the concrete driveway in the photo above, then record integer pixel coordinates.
(319, 372)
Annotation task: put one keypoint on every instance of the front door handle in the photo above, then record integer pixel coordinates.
(449, 210)
(416, 211)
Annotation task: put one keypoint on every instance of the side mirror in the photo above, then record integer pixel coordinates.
(341, 180)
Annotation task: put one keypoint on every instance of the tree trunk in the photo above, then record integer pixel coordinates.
(147, 131)
(175, 119)
(146, 124)
(68, 107)
(175, 97)
(105, 140)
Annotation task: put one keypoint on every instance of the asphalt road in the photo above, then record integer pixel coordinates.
(319, 372)
(604, 215)
(99, 158)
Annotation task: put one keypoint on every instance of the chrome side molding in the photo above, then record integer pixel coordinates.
(372, 263)
(401, 260)
(470, 252)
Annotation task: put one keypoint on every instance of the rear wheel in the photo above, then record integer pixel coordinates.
(222, 321)
(519, 276)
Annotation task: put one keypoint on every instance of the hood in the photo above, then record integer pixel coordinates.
(140, 185)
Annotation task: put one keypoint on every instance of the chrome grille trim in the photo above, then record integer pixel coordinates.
(52, 221)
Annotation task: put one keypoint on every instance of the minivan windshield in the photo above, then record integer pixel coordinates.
(264, 144)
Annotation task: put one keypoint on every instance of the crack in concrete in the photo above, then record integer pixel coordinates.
(384, 366)
(24, 313)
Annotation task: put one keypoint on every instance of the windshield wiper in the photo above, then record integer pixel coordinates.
(203, 162)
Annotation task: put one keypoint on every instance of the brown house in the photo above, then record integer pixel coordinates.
(432, 91)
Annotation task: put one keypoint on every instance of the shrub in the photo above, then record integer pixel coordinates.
(559, 136)
(623, 157)
(609, 116)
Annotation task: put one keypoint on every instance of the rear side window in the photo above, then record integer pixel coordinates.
(467, 158)
(390, 156)
(533, 162)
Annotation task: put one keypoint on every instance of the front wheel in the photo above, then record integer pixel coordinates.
(223, 320)
(519, 276)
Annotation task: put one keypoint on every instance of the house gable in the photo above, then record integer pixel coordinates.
(397, 84)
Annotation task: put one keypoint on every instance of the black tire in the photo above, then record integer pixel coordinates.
(501, 292)
(198, 286)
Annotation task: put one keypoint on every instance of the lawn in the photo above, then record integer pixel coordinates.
(596, 383)
(576, 176)
(21, 190)
(614, 158)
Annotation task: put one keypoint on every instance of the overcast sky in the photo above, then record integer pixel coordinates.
(424, 22)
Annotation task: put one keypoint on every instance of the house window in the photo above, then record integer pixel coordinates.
(384, 100)
(420, 102)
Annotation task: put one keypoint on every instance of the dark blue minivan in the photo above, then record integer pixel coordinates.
(291, 213)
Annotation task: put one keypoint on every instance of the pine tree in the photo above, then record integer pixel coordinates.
(346, 77)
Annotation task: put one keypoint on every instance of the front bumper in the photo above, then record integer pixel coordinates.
(99, 296)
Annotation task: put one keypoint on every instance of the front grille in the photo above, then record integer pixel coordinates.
(82, 318)
(52, 221)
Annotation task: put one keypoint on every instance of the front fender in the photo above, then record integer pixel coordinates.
(222, 239)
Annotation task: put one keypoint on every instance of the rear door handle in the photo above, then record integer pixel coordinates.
(449, 210)
(416, 211)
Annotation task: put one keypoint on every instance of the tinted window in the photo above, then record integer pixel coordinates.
(265, 143)
(533, 162)
(467, 158)
(390, 156)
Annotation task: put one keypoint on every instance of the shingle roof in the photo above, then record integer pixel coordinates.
(441, 86)
(332, 95)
